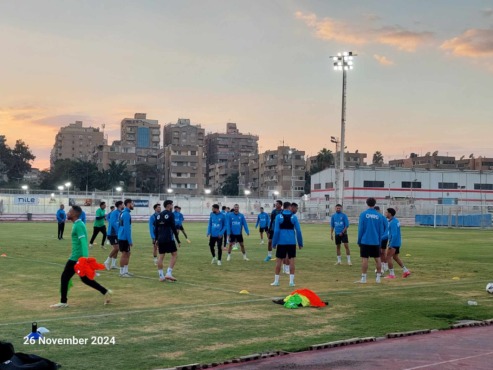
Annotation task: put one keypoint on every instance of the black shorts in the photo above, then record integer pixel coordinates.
(113, 239)
(271, 234)
(179, 227)
(236, 238)
(286, 250)
(367, 251)
(341, 239)
(383, 243)
(123, 246)
(263, 229)
(213, 240)
(167, 247)
(397, 249)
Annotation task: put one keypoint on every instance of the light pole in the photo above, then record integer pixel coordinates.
(335, 140)
(119, 191)
(343, 62)
(412, 183)
(68, 185)
(291, 154)
(247, 193)
(390, 183)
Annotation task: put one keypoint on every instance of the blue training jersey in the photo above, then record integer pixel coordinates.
(263, 220)
(125, 226)
(152, 220)
(61, 215)
(217, 224)
(394, 233)
(339, 222)
(235, 224)
(178, 218)
(371, 227)
(287, 230)
(113, 223)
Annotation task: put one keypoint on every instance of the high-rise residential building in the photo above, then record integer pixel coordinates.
(182, 161)
(428, 161)
(144, 134)
(282, 173)
(76, 142)
(225, 149)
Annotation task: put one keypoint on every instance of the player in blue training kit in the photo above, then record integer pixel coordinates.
(113, 225)
(277, 210)
(152, 220)
(179, 222)
(371, 227)
(287, 232)
(263, 220)
(215, 231)
(340, 223)
(125, 241)
(61, 217)
(236, 223)
(166, 233)
(225, 212)
(394, 245)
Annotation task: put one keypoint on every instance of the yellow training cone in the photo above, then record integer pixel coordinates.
(456, 278)
(244, 292)
(408, 255)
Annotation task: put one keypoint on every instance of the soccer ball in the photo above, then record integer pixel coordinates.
(489, 288)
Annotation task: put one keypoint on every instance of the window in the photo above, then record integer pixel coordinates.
(447, 185)
(329, 185)
(373, 184)
(483, 186)
(317, 186)
(193, 152)
(411, 184)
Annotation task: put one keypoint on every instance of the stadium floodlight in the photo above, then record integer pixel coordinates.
(169, 190)
(24, 187)
(248, 192)
(60, 187)
(342, 62)
(207, 191)
(68, 184)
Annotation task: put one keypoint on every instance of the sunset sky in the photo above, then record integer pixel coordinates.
(423, 77)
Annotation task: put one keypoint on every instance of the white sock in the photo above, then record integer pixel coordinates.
(404, 269)
(125, 269)
(161, 273)
(363, 276)
(276, 278)
(348, 258)
(338, 258)
(122, 270)
(113, 262)
(269, 253)
(391, 272)
(107, 260)
(291, 279)
(378, 274)
(169, 271)
(155, 259)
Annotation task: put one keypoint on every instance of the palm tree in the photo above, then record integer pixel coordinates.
(377, 158)
(325, 159)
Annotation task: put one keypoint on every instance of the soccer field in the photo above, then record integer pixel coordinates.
(202, 318)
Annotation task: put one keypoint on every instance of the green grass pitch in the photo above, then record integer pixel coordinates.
(202, 318)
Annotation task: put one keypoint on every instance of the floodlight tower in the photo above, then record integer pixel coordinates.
(343, 62)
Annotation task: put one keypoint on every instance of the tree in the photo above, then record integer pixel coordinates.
(146, 178)
(325, 159)
(377, 158)
(114, 175)
(15, 161)
(230, 186)
(308, 179)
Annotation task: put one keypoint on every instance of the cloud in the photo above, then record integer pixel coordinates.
(473, 43)
(401, 38)
(383, 60)
(61, 120)
(329, 29)
(396, 36)
(487, 12)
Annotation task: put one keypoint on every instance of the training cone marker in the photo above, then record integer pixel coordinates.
(456, 278)
(408, 255)
(244, 292)
(4, 255)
